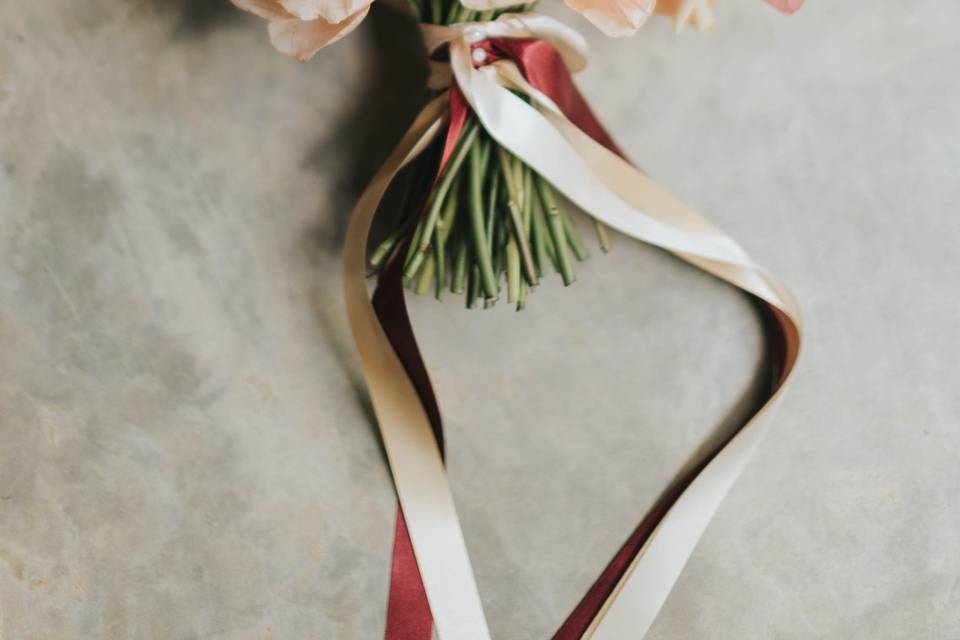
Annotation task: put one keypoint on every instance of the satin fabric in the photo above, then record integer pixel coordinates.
(408, 611)
(408, 438)
(624, 601)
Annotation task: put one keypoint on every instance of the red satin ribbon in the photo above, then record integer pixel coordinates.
(408, 611)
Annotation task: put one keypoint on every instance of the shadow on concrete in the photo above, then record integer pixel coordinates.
(393, 91)
(197, 18)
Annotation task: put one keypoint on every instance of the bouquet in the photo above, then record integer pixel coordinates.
(472, 217)
(476, 200)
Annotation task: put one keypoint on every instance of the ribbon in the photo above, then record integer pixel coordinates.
(558, 136)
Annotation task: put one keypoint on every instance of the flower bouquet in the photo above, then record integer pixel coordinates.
(477, 199)
(472, 217)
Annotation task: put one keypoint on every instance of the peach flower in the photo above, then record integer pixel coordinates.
(624, 17)
(697, 13)
(300, 28)
(614, 17)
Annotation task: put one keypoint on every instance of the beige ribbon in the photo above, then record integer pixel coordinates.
(611, 190)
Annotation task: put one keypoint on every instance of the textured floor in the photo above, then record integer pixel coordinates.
(186, 452)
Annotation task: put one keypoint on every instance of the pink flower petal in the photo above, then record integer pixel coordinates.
(301, 39)
(268, 9)
(786, 6)
(332, 11)
(614, 17)
(693, 13)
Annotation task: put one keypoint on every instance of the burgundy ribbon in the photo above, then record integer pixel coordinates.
(408, 611)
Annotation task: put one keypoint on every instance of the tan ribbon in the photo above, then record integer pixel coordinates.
(611, 190)
(415, 462)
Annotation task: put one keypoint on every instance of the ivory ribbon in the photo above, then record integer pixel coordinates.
(611, 190)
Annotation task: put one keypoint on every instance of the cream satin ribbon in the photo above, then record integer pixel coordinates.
(611, 190)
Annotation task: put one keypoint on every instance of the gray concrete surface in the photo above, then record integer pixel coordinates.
(186, 452)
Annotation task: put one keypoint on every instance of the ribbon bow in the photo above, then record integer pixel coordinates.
(557, 136)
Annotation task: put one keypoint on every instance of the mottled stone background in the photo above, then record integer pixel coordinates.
(186, 450)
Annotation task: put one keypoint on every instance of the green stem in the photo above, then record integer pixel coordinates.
(415, 10)
(384, 249)
(516, 217)
(602, 236)
(573, 237)
(411, 211)
(458, 281)
(426, 276)
(444, 229)
(411, 251)
(473, 285)
(513, 270)
(557, 233)
(481, 243)
(491, 214)
(539, 235)
(527, 207)
(527, 204)
(467, 139)
(440, 259)
(455, 12)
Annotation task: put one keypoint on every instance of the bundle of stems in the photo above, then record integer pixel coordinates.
(487, 219)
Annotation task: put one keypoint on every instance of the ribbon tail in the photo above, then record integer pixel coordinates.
(625, 602)
(643, 589)
(408, 438)
(408, 610)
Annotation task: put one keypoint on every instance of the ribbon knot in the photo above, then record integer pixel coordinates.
(527, 53)
(463, 40)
